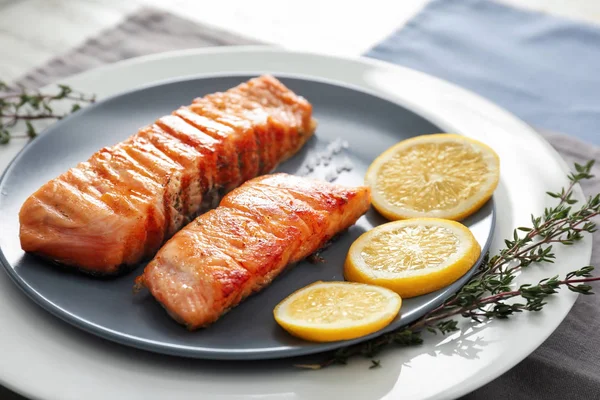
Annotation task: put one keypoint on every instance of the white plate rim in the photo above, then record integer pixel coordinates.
(459, 104)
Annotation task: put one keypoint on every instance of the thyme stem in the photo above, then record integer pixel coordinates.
(485, 295)
(21, 105)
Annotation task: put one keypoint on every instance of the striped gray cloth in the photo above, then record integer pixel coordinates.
(148, 31)
(566, 366)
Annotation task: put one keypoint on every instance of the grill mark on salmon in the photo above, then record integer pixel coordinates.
(286, 110)
(236, 117)
(242, 134)
(158, 166)
(211, 151)
(259, 94)
(116, 209)
(195, 182)
(238, 248)
(152, 217)
(227, 161)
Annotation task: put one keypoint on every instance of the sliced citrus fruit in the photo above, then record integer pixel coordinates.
(441, 176)
(412, 257)
(332, 311)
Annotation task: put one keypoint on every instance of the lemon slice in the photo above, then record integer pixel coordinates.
(440, 176)
(412, 257)
(332, 311)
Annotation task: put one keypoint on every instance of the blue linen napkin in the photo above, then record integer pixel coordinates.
(544, 69)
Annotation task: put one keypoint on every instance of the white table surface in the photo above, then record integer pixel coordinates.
(34, 31)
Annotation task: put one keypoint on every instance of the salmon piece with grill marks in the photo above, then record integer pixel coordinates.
(238, 248)
(117, 208)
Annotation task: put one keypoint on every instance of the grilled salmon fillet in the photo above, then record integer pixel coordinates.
(117, 208)
(228, 253)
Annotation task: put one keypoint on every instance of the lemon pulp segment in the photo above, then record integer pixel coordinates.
(410, 248)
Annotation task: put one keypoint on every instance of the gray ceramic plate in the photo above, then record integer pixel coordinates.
(354, 127)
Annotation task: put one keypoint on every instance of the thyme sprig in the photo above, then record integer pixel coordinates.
(18, 104)
(486, 295)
